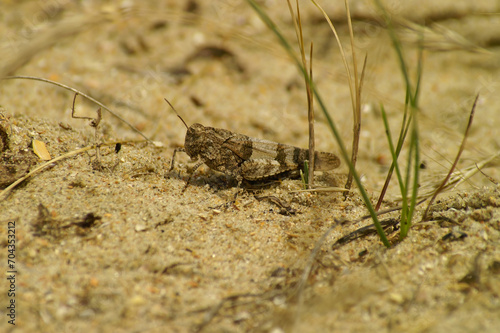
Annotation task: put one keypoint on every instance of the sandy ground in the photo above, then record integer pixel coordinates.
(113, 244)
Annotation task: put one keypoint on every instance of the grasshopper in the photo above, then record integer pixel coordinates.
(247, 158)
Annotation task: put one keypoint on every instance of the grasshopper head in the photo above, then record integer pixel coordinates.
(194, 141)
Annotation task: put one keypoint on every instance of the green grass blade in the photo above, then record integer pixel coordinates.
(403, 186)
(393, 153)
(324, 109)
(409, 119)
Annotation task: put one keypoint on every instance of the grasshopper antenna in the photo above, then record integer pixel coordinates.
(166, 100)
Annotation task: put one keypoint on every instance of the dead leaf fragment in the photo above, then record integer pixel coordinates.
(40, 150)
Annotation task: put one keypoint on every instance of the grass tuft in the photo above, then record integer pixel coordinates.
(267, 20)
(409, 124)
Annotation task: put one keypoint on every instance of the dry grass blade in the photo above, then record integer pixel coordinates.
(308, 79)
(310, 115)
(355, 85)
(322, 189)
(341, 49)
(491, 179)
(436, 38)
(33, 172)
(132, 127)
(356, 108)
(457, 158)
(458, 177)
(356, 126)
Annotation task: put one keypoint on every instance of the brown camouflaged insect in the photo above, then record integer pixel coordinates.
(247, 158)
